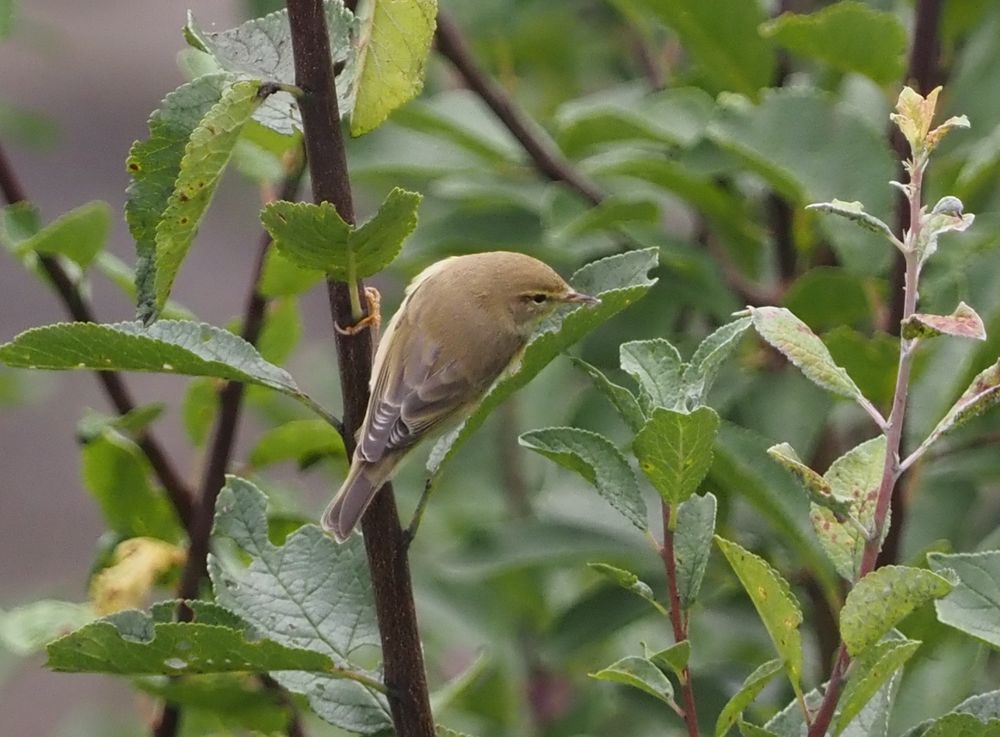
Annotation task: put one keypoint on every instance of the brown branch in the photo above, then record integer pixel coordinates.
(385, 542)
(543, 152)
(79, 309)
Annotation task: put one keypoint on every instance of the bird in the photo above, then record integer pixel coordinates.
(463, 321)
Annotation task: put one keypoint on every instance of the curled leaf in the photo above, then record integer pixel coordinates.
(964, 322)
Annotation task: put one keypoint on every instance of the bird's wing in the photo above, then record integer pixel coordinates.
(412, 397)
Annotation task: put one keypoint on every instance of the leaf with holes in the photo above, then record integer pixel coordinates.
(772, 597)
(206, 154)
(309, 593)
(395, 38)
(639, 673)
(751, 688)
(596, 459)
(315, 237)
(856, 476)
(964, 322)
(617, 280)
(674, 450)
(882, 598)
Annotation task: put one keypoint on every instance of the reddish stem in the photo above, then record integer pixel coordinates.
(677, 616)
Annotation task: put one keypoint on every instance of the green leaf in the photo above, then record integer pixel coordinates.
(674, 450)
(832, 149)
(973, 606)
(723, 40)
(282, 278)
(622, 399)
(80, 234)
(639, 673)
(830, 297)
(617, 280)
(132, 424)
(982, 394)
(303, 441)
(315, 237)
(395, 40)
(849, 36)
(856, 475)
(869, 673)
(882, 598)
(124, 278)
(855, 211)
(281, 332)
(674, 658)
(117, 474)
(793, 338)
(751, 688)
(772, 597)
(444, 696)
(963, 725)
(964, 322)
(752, 730)
(130, 643)
(205, 157)
(873, 721)
(154, 165)
(657, 368)
(261, 48)
(628, 581)
(596, 459)
(612, 213)
(7, 14)
(199, 407)
(819, 489)
(695, 529)
(710, 355)
(302, 594)
(167, 346)
(18, 222)
(29, 628)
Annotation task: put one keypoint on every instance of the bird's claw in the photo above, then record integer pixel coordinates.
(372, 318)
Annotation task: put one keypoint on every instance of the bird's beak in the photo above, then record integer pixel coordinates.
(578, 298)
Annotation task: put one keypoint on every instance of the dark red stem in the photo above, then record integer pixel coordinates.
(677, 616)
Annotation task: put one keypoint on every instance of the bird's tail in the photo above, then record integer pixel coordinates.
(359, 488)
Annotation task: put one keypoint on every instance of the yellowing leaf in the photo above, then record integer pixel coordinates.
(138, 563)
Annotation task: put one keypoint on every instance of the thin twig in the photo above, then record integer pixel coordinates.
(543, 152)
(79, 309)
(385, 541)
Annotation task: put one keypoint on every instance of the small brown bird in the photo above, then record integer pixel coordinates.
(463, 321)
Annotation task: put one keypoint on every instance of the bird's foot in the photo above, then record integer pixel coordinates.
(373, 318)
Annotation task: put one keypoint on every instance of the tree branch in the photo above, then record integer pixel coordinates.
(79, 309)
(385, 542)
(543, 152)
(677, 616)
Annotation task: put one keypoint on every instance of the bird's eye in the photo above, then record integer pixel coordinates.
(539, 298)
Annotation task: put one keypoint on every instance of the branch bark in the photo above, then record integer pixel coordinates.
(177, 490)
(677, 617)
(385, 542)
